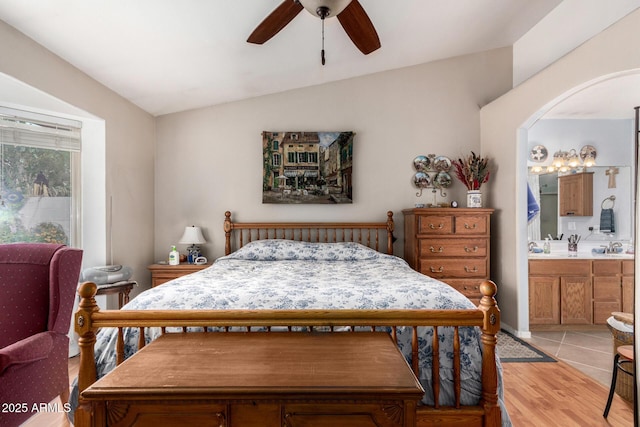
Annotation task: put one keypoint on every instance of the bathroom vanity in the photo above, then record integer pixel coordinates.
(582, 290)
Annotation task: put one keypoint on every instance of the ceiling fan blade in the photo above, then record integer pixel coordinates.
(359, 28)
(276, 21)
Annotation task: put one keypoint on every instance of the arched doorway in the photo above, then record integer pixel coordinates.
(609, 97)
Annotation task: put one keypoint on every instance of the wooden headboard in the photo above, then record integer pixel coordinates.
(375, 235)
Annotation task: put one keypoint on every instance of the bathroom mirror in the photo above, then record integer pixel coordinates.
(607, 181)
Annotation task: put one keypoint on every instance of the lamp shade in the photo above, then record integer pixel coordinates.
(192, 236)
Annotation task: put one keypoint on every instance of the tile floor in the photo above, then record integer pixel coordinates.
(589, 351)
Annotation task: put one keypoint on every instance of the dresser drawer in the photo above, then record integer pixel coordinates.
(470, 288)
(471, 224)
(435, 224)
(457, 268)
(453, 247)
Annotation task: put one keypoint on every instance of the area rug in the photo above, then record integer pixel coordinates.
(513, 349)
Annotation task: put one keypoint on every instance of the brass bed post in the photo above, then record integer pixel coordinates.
(491, 326)
(84, 327)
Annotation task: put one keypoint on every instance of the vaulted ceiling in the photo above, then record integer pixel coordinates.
(173, 55)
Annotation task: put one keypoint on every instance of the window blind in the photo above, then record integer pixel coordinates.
(38, 130)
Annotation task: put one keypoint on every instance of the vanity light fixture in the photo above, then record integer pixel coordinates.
(572, 159)
(564, 161)
(559, 158)
(588, 155)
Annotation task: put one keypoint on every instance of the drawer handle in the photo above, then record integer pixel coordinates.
(222, 418)
(468, 249)
(433, 227)
(473, 288)
(437, 270)
(471, 270)
(470, 227)
(434, 250)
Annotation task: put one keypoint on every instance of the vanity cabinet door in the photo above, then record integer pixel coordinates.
(576, 300)
(544, 300)
(560, 292)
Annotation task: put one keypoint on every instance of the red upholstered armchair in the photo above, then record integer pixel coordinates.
(38, 284)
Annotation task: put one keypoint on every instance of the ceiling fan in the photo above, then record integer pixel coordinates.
(350, 13)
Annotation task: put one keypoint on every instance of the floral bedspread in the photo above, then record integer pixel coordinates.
(283, 274)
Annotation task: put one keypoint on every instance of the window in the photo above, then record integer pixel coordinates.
(291, 157)
(276, 143)
(276, 159)
(39, 178)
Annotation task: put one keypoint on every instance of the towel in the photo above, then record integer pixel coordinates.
(532, 206)
(607, 223)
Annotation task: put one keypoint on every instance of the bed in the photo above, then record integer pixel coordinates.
(327, 277)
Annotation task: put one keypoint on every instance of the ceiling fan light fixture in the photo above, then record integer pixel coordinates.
(320, 7)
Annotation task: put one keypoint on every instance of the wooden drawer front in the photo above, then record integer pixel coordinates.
(607, 288)
(606, 267)
(156, 281)
(335, 414)
(462, 268)
(453, 247)
(564, 267)
(602, 311)
(435, 224)
(158, 278)
(154, 413)
(628, 267)
(470, 288)
(469, 224)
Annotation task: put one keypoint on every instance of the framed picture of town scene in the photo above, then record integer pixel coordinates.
(307, 167)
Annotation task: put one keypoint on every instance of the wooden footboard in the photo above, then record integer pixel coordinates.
(89, 318)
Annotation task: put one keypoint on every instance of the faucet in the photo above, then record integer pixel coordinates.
(532, 245)
(612, 248)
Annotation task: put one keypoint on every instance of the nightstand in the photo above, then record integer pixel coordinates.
(161, 273)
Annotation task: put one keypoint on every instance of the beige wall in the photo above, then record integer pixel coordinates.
(209, 160)
(504, 125)
(126, 156)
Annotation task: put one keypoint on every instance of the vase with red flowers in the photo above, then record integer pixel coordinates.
(472, 171)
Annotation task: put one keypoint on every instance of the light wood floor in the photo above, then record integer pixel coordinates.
(557, 394)
(536, 394)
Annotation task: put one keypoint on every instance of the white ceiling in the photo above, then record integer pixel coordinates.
(614, 98)
(173, 55)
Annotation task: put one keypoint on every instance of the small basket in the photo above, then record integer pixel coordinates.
(624, 383)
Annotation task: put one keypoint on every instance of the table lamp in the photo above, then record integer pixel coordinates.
(192, 236)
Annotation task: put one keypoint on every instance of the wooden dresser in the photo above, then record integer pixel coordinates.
(450, 244)
(260, 379)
